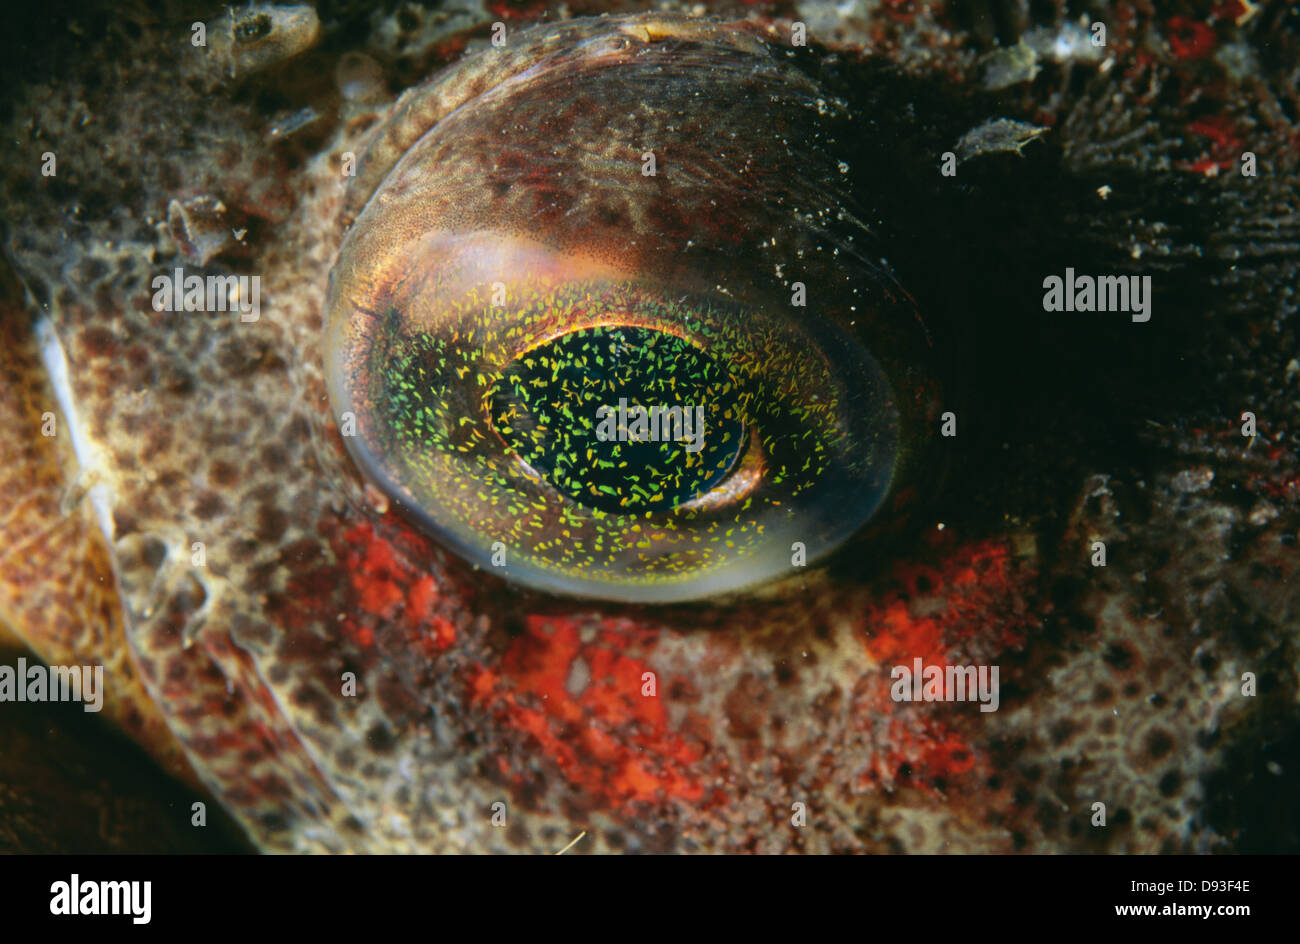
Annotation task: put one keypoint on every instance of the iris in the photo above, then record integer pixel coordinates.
(552, 405)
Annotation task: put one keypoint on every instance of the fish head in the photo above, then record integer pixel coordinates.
(283, 630)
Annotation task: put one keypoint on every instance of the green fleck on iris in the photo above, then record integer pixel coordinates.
(663, 408)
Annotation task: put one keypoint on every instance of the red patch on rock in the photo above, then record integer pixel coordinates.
(1225, 150)
(583, 704)
(385, 586)
(900, 626)
(1189, 39)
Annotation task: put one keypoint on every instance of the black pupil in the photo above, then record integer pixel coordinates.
(621, 419)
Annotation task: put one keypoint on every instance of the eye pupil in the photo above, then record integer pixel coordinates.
(622, 419)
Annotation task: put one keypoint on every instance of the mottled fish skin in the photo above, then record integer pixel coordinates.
(1121, 684)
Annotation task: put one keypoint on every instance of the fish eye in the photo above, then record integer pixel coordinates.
(625, 385)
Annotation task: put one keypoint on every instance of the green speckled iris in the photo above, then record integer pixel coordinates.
(507, 430)
(623, 419)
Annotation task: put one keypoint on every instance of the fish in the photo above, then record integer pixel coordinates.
(1099, 512)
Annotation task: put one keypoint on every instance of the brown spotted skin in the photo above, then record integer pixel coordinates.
(1121, 685)
(77, 618)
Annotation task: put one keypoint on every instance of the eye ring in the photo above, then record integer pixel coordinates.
(456, 272)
